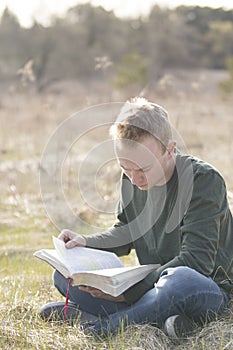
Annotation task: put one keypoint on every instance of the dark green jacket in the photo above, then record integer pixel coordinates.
(186, 222)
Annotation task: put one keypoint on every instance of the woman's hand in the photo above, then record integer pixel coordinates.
(72, 239)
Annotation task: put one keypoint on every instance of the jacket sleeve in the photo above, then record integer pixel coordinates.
(117, 238)
(199, 232)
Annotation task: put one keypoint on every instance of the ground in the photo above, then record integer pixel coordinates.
(203, 122)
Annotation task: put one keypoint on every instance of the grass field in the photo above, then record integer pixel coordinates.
(197, 112)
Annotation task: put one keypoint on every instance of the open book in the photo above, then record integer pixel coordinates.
(96, 268)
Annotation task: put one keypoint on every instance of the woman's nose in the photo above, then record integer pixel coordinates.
(135, 177)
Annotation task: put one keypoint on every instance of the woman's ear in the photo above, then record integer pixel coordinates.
(171, 148)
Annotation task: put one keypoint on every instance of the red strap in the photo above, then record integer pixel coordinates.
(67, 299)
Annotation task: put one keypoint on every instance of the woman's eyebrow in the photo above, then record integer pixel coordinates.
(122, 166)
(146, 167)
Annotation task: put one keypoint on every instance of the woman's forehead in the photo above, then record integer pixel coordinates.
(135, 149)
(140, 156)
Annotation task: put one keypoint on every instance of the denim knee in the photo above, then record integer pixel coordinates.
(60, 282)
(185, 291)
(176, 279)
(170, 287)
(56, 278)
(179, 272)
(174, 288)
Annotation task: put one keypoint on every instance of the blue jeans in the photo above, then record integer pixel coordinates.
(179, 291)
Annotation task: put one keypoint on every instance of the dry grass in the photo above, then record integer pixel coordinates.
(197, 112)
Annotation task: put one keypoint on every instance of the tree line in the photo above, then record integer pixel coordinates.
(90, 42)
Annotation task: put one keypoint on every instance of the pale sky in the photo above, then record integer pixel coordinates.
(41, 10)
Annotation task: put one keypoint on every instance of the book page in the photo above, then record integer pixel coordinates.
(53, 259)
(85, 259)
(97, 268)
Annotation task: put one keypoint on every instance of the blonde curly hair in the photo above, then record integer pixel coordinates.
(140, 118)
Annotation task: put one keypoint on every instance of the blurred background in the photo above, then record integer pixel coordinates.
(69, 58)
(58, 58)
